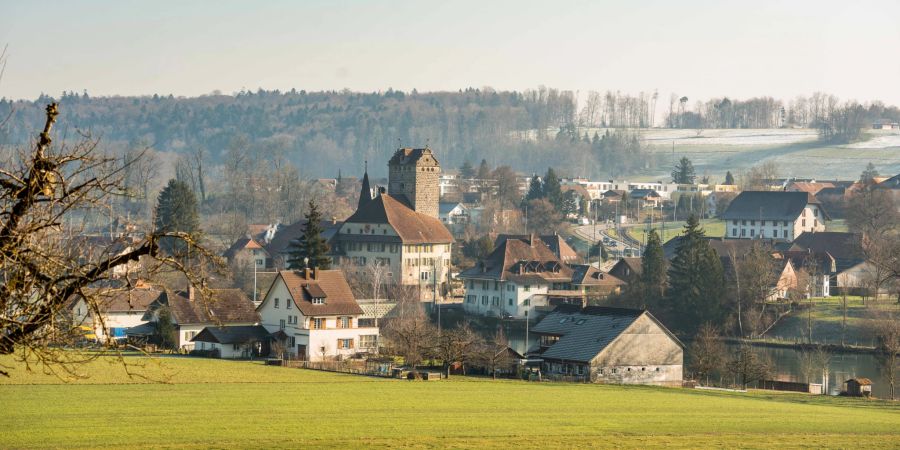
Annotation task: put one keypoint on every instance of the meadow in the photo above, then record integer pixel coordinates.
(712, 227)
(211, 403)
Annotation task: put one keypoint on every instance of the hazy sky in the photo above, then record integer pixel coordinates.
(696, 48)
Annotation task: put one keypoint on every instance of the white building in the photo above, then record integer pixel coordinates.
(518, 276)
(773, 215)
(317, 314)
(453, 213)
(120, 310)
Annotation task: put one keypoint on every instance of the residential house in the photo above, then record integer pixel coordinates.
(773, 214)
(516, 277)
(120, 309)
(247, 252)
(391, 230)
(191, 312)
(885, 124)
(810, 187)
(609, 345)
(627, 269)
(316, 316)
(593, 284)
(851, 271)
(555, 242)
(648, 198)
(453, 213)
(231, 342)
(614, 196)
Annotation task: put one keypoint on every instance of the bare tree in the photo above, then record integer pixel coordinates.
(708, 352)
(42, 268)
(458, 345)
(886, 329)
(494, 355)
(409, 333)
(747, 366)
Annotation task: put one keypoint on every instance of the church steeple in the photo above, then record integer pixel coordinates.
(365, 194)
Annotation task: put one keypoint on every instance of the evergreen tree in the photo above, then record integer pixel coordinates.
(166, 336)
(683, 173)
(484, 171)
(868, 175)
(552, 189)
(535, 189)
(466, 171)
(696, 281)
(653, 268)
(729, 178)
(311, 249)
(176, 211)
(569, 203)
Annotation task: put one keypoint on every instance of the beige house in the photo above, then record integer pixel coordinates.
(400, 231)
(609, 345)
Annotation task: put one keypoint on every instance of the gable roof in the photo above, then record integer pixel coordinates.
(891, 183)
(328, 284)
(555, 242)
(584, 333)
(236, 334)
(445, 208)
(522, 262)
(285, 234)
(644, 193)
(631, 263)
(224, 306)
(129, 300)
(770, 205)
(412, 227)
(245, 242)
(586, 275)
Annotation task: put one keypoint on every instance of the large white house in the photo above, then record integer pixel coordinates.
(519, 275)
(400, 230)
(119, 310)
(773, 215)
(316, 316)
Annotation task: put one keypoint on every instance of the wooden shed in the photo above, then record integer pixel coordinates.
(859, 387)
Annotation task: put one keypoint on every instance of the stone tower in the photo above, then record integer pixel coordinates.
(414, 177)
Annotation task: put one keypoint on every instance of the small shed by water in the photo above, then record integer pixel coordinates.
(859, 387)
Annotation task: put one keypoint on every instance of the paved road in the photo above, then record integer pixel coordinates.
(616, 246)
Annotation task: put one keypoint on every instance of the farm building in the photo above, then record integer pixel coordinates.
(859, 387)
(609, 345)
(242, 341)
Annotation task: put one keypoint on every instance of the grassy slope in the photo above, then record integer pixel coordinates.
(238, 404)
(827, 316)
(713, 227)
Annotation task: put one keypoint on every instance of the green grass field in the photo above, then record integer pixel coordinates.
(827, 318)
(713, 227)
(223, 404)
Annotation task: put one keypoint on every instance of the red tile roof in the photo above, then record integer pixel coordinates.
(412, 227)
(328, 284)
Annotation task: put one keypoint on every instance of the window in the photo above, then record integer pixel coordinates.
(344, 322)
(509, 287)
(527, 302)
(510, 302)
(752, 232)
(734, 232)
(743, 232)
(733, 222)
(785, 233)
(785, 223)
(292, 341)
(527, 288)
(235, 347)
(288, 304)
(495, 301)
(470, 299)
(752, 222)
(762, 223)
(277, 301)
(484, 284)
(424, 276)
(484, 299)
(743, 222)
(188, 335)
(344, 343)
(496, 285)
(318, 324)
(281, 324)
(803, 223)
(368, 341)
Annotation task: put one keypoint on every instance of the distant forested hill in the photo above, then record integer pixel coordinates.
(321, 132)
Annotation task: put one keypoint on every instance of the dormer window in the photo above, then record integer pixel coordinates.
(318, 301)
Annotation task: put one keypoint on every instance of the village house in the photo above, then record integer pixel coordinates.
(773, 214)
(454, 213)
(554, 242)
(648, 198)
(627, 269)
(518, 276)
(315, 316)
(191, 313)
(592, 284)
(839, 255)
(120, 309)
(400, 229)
(608, 345)
(232, 342)
(248, 252)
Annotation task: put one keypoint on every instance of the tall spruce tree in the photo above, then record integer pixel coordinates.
(729, 178)
(484, 171)
(683, 173)
(696, 281)
(466, 171)
(552, 189)
(311, 249)
(535, 189)
(176, 211)
(653, 269)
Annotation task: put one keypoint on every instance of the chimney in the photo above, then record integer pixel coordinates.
(531, 240)
(306, 273)
(333, 220)
(315, 273)
(190, 291)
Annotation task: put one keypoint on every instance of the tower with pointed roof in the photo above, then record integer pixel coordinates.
(365, 193)
(414, 178)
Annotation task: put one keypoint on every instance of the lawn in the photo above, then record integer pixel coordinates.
(827, 317)
(713, 227)
(224, 404)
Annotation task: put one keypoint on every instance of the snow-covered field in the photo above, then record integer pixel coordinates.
(743, 137)
(885, 140)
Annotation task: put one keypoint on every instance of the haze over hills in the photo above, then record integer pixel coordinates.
(323, 132)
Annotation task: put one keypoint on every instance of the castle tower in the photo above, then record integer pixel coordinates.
(414, 177)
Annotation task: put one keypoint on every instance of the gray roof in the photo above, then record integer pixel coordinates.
(446, 207)
(769, 205)
(584, 333)
(242, 334)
